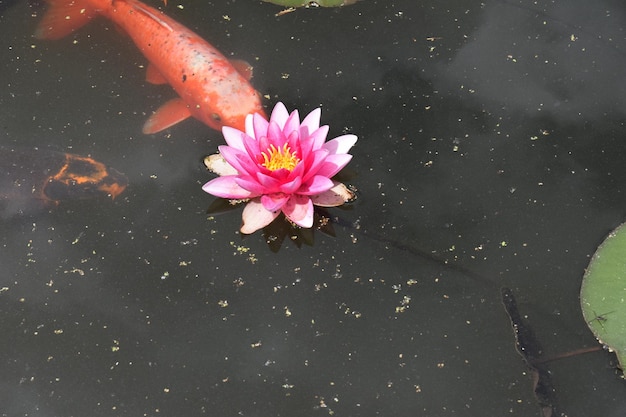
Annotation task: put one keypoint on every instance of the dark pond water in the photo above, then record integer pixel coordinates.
(490, 155)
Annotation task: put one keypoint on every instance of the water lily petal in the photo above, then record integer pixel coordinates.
(269, 183)
(275, 136)
(259, 126)
(281, 175)
(298, 171)
(218, 165)
(292, 124)
(233, 137)
(279, 114)
(250, 184)
(312, 120)
(293, 141)
(291, 186)
(256, 217)
(341, 144)
(305, 144)
(252, 148)
(317, 185)
(264, 143)
(226, 187)
(237, 159)
(274, 202)
(249, 125)
(333, 164)
(319, 136)
(334, 197)
(313, 163)
(299, 209)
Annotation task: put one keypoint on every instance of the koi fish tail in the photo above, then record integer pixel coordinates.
(64, 17)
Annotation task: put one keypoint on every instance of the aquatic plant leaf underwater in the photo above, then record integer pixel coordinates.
(602, 294)
(280, 165)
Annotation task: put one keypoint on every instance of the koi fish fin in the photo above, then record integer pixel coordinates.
(154, 76)
(242, 68)
(64, 17)
(172, 112)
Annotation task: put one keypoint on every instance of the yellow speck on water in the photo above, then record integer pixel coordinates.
(240, 250)
(58, 331)
(223, 303)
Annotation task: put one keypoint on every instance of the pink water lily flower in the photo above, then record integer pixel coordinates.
(281, 165)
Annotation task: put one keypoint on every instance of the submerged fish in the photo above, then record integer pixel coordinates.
(38, 176)
(211, 88)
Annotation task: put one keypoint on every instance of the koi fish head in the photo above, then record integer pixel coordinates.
(231, 110)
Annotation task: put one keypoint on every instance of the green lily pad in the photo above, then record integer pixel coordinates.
(603, 293)
(310, 3)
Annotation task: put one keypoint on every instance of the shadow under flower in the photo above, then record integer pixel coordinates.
(282, 229)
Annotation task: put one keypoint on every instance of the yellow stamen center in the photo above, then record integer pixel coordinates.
(281, 158)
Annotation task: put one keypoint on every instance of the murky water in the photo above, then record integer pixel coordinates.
(490, 155)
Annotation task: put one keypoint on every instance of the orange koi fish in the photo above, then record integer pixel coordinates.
(211, 88)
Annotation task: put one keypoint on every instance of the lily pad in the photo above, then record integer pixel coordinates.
(603, 293)
(312, 3)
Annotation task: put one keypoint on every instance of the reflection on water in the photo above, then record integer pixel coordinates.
(556, 61)
(489, 155)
